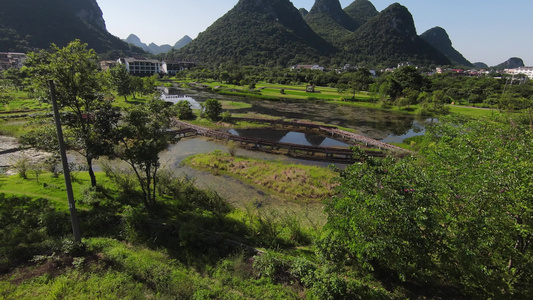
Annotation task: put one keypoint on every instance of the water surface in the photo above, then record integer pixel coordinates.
(374, 123)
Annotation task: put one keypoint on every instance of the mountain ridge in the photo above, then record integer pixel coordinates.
(511, 63)
(34, 24)
(258, 32)
(390, 38)
(361, 11)
(439, 39)
(330, 21)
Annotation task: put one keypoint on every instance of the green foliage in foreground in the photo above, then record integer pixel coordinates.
(457, 218)
(115, 270)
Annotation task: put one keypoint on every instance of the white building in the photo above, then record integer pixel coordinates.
(174, 67)
(528, 71)
(141, 66)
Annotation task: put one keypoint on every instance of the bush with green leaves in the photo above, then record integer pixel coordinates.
(212, 109)
(27, 228)
(185, 110)
(457, 217)
(226, 116)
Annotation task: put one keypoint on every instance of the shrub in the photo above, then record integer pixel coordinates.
(185, 110)
(272, 267)
(232, 148)
(226, 116)
(22, 165)
(27, 228)
(212, 109)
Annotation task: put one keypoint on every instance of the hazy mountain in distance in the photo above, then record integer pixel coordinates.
(184, 41)
(135, 40)
(511, 63)
(154, 48)
(480, 65)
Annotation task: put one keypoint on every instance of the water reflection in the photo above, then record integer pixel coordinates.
(285, 136)
(374, 123)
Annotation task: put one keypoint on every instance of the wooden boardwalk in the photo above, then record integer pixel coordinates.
(331, 130)
(293, 150)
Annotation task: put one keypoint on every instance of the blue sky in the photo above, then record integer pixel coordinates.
(489, 31)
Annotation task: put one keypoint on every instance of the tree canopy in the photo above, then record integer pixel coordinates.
(79, 85)
(458, 216)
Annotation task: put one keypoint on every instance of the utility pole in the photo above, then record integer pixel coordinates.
(66, 171)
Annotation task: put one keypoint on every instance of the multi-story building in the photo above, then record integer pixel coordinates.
(141, 66)
(173, 67)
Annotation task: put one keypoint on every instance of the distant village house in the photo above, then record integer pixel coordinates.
(107, 64)
(528, 71)
(10, 60)
(308, 67)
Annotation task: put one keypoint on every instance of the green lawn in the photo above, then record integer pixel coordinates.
(20, 101)
(229, 105)
(473, 112)
(51, 188)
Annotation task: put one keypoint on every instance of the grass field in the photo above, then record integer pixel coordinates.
(20, 101)
(472, 111)
(298, 183)
(53, 188)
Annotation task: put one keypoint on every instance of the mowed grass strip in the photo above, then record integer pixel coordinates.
(293, 182)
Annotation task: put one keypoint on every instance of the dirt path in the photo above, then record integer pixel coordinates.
(11, 152)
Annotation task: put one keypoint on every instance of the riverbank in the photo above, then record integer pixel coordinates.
(12, 153)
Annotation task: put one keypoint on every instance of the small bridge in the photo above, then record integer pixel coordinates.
(331, 130)
(294, 150)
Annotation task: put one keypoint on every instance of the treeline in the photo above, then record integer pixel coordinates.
(403, 87)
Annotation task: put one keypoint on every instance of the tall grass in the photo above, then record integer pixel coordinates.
(294, 182)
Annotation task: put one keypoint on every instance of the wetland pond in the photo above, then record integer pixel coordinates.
(377, 124)
(386, 126)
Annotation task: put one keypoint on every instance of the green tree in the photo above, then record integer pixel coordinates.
(458, 215)
(121, 80)
(17, 77)
(212, 109)
(149, 84)
(409, 77)
(142, 137)
(79, 84)
(434, 104)
(184, 110)
(136, 86)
